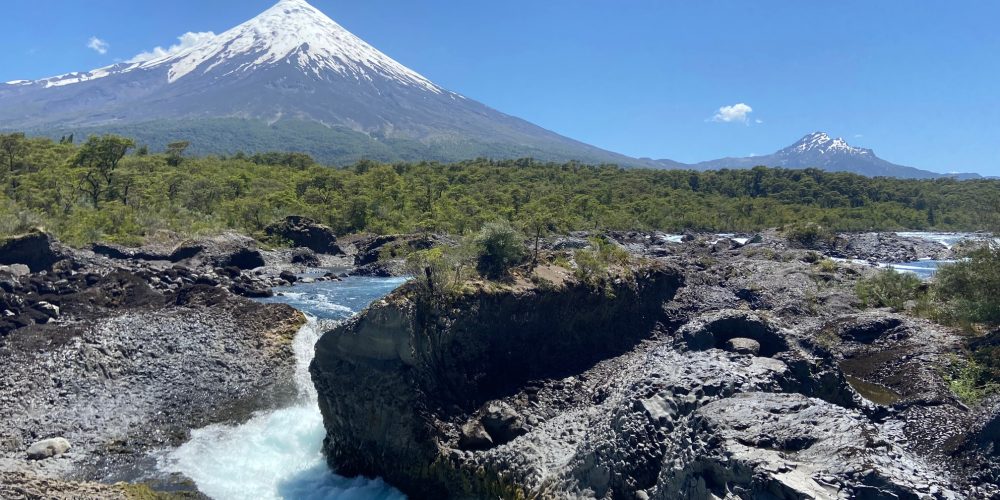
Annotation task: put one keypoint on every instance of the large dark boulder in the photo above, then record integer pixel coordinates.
(36, 250)
(305, 257)
(307, 233)
(391, 246)
(223, 251)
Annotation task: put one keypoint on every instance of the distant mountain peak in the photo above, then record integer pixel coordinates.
(822, 143)
(820, 150)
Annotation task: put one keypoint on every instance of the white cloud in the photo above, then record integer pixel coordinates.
(735, 113)
(186, 41)
(98, 45)
(759, 121)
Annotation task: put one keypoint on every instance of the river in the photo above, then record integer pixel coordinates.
(276, 454)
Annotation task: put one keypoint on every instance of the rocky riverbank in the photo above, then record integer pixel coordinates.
(715, 369)
(114, 352)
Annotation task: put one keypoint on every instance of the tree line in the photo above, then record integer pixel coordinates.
(109, 188)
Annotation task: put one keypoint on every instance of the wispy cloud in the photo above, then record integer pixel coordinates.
(98, 45)
(185, 41)
(738, 113)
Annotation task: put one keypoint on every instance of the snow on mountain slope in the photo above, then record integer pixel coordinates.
(291, 29)
(294, 30)
(819, 150)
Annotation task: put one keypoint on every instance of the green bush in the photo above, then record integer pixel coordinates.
(889, 288)
(808, 235)
(500, 248)
(592, 265)
(827, 265)
(971, 380)
(970, 289)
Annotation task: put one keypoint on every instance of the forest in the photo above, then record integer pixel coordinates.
(108, 188)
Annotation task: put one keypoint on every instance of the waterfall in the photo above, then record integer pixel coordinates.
(276, 454)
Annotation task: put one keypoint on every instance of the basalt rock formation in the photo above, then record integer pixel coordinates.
(426, 365)
(306, 233)
(724, 370)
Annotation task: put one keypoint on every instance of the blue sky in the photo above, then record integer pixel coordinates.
(919, 82)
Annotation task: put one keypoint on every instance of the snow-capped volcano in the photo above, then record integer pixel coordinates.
(821, 143)
(291, 32)
(290, 69)
(819, 150)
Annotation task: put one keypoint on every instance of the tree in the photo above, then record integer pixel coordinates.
(13, 145)
(175, 152)
(99, 157)
(540, 220)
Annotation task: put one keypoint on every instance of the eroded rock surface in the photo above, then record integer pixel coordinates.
(306, 233)
(755, 375)
(120, 356)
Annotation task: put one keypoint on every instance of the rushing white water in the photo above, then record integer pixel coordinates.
(947, 239)
(926, 269)
(276, 454)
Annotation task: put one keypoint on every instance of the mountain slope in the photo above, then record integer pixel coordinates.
(291, 63)
(819, 150)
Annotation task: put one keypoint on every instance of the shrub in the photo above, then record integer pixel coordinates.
(890, 289)
(589, 267)
(970, 289)
(827, 266)
(971, 380)
(809, 235)
(441, 269)
(500, 247)
(14, 220)
(592, 265)
(429, 270)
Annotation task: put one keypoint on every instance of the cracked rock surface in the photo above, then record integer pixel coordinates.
(720, 371)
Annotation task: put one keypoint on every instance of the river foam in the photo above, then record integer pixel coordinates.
(276, 454)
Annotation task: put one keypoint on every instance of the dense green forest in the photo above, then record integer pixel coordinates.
(108, 189)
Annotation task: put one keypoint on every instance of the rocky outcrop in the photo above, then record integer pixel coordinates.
(426, 365)
(886, 247)
(757, 378)
(306, 233)
(378, 252)
(808, 449)
(35, 250)
(227, 250)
